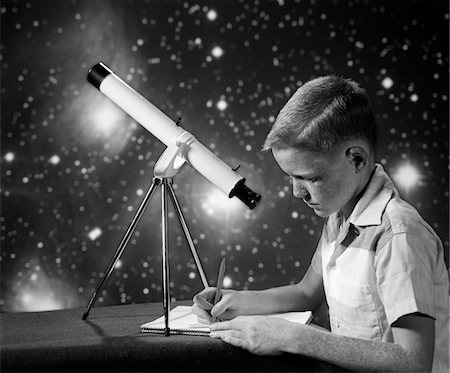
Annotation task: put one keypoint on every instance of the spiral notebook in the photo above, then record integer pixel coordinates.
(183, 321)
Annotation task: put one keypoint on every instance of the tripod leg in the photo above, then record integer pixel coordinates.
(188, 236)
(165, 256)
(122, 245)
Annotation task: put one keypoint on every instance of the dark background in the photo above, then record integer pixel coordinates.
(74, 167)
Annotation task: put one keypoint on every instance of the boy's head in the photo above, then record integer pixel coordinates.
(323, 113)
(324, 139)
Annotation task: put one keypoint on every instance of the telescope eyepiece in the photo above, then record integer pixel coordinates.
(245, 194)
(97, 74)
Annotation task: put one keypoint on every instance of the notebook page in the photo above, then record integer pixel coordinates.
(180, 318)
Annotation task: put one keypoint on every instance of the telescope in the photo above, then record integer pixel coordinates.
(181, 145)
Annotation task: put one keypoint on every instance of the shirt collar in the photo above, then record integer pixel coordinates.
(370, 207)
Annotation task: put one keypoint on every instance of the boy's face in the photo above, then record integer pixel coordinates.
(326, 183)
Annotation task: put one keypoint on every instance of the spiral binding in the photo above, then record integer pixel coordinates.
(202, 333)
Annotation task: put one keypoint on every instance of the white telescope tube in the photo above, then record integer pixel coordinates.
(167, 131)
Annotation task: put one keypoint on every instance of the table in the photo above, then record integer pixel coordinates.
(111, 340)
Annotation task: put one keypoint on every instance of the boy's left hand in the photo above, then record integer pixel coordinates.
(261, 335)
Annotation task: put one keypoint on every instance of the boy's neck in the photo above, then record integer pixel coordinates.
(348, 209)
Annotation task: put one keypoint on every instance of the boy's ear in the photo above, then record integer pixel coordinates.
(358, 158)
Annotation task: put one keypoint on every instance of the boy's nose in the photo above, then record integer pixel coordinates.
(298, 190)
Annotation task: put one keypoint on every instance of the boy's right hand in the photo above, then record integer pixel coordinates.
(227, 308)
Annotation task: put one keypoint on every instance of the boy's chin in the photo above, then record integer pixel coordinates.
(322, 213)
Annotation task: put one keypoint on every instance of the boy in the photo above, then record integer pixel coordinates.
(378, 264)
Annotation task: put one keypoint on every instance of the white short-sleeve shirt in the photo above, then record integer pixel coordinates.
(382, 263)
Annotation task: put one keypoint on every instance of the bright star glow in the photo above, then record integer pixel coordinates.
(224, 215)
(407, 176)
(106, 118)
(216, 203)
(222, 105)
(42, 293)
(54, 159)
(39, 301)
(101, 122)
(387, 82)
(211, 15)
(95, 233)
(217, 52)
(227, 282)
(9, 157)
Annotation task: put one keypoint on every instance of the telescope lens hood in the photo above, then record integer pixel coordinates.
(97, 74)
(245, 194)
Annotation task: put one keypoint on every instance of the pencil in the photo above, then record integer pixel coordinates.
(219, 284)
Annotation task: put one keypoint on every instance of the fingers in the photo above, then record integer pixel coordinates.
(204, 298)
(224, 325)
(233, 337)
(222, 306)
(227, 334)
(203, 304)
(203, 316)
(238, 323)
(226, 331)
(233, 341)
(224, 309)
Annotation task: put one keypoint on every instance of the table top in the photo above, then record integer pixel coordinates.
(111, 340)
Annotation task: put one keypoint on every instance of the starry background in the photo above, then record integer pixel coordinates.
(74, 167)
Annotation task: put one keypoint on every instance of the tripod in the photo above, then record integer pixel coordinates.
(167, 166)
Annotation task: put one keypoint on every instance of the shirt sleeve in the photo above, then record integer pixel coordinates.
(404, 271)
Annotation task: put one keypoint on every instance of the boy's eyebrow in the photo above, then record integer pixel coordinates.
(306, 175)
